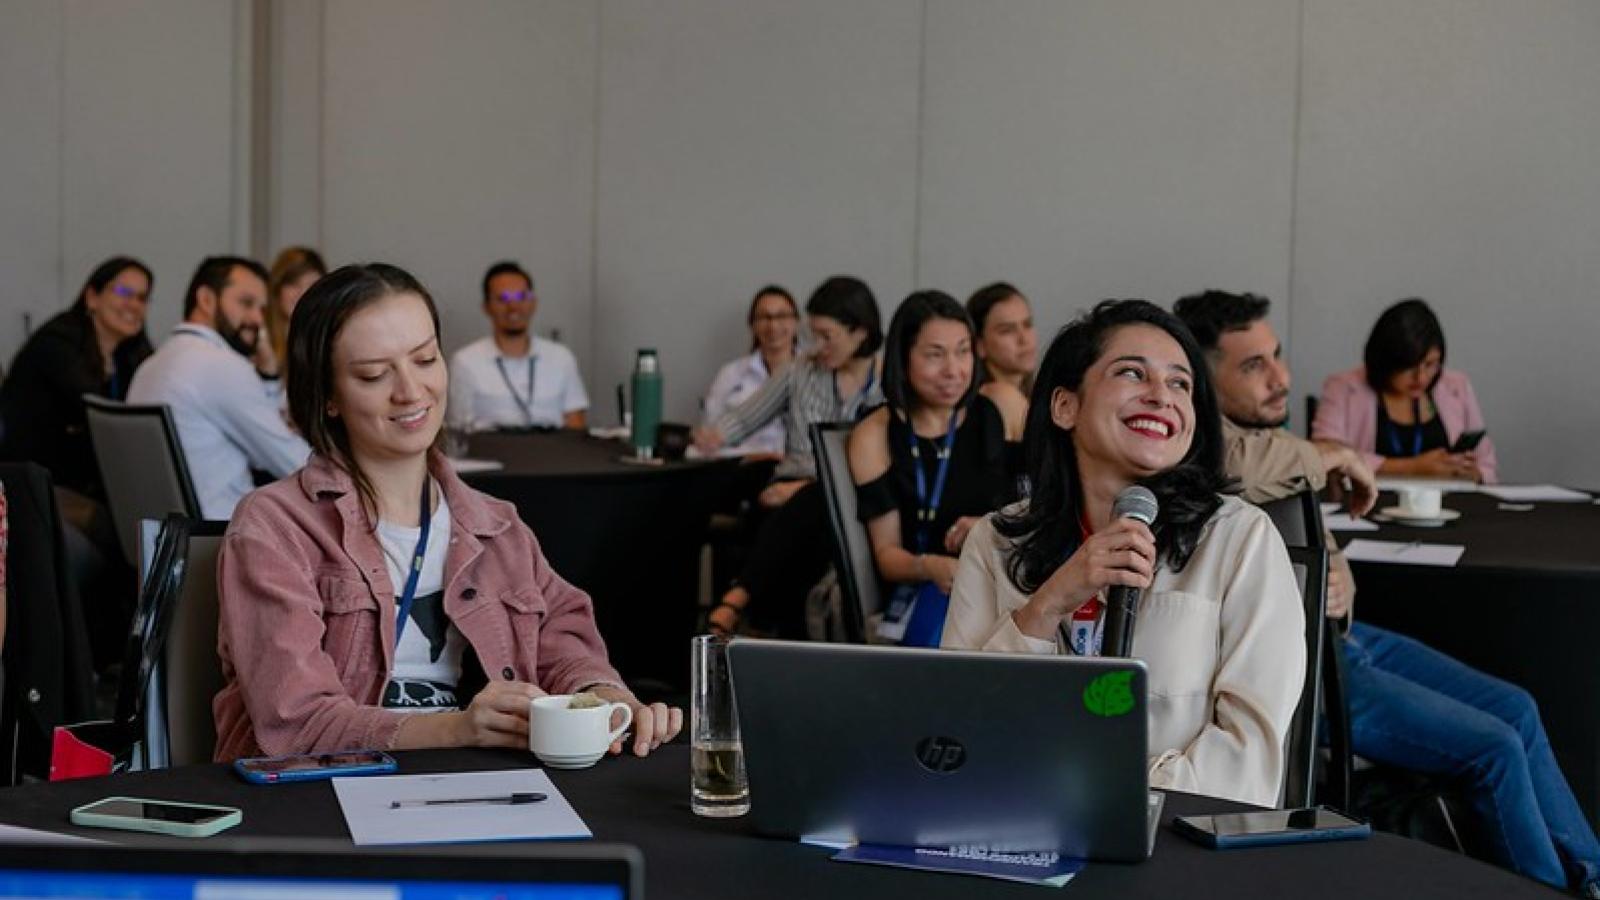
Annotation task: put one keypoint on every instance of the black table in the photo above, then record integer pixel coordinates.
(628, 534)
(645, 803)
(1523, 604)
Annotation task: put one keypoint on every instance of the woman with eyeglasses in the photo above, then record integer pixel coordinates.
(1403, 410)
(774, 322)
(91, 348)
(1124, 397)
(836, 381)
(372, 600)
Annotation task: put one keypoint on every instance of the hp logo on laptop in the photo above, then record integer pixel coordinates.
(941, 754)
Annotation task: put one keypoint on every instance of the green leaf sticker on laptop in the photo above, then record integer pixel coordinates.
(1110, 694)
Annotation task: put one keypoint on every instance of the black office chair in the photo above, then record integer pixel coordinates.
(178, 726)
(142, 464)
(1300, 769)
(852, 549)
(1311, 413)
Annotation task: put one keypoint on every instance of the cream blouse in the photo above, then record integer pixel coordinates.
(1224, 641)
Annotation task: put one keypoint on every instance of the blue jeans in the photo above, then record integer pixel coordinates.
(1416, 708)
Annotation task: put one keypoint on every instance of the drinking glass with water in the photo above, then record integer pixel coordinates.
(717, 784)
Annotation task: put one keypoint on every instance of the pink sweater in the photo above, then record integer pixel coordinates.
(1348, 413)
(307, 619)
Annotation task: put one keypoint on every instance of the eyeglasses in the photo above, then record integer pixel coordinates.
(511, 297)
(759, 318)
(122, 290)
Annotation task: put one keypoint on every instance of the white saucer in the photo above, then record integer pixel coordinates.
(1397, 514)
(581, 761)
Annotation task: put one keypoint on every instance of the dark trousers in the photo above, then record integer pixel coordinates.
(791, 553)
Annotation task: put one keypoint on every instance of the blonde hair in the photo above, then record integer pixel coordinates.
(290, 266)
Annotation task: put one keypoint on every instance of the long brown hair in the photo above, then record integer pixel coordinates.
(313, 331)
(292, 264)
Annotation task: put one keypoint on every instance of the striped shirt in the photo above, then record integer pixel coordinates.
(804, 394)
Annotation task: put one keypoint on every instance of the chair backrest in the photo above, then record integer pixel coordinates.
(1298, 519)
(179, 729)
(1310, 566)
(852, 549)
(49, 676)
(1311, 413)
(141, 464)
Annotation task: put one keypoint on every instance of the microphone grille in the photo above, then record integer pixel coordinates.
(1136, 502)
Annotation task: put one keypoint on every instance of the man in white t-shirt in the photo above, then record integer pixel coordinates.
(513, 378)
(225, 410)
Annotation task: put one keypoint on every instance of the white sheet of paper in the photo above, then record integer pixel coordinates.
(1413, 554)
(1343, 521)
(1534, 493)
(466, 465)
(366, 804)
(1439, 484)
(12, 834)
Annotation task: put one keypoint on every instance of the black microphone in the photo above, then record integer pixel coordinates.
(1122, 601)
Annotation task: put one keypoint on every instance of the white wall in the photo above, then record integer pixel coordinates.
(654, 162)
(118, 137)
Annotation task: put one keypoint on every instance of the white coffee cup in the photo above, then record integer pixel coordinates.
(1421, 503)
(567, 738)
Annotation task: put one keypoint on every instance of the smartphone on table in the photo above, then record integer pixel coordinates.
(1269, 827)
(1468, 441)
(157, 816)
(314, 766)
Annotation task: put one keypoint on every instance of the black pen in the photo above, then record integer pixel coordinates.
(508, 800)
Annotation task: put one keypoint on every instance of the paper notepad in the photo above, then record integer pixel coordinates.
(1535, 493)
(368, 809)
(1415, 553)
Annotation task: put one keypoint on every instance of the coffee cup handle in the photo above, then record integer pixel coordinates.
(627, 720)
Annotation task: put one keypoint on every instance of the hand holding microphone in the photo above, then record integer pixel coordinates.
(1134, 505)
(1120, 556)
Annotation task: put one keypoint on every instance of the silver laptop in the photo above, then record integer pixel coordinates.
(936, 748)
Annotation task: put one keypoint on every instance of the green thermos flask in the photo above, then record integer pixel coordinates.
(646, 402)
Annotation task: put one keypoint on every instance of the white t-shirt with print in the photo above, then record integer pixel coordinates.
(427, 664)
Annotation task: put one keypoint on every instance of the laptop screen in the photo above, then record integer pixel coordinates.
(42, 883)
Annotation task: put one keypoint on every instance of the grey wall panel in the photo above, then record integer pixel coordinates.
(147, 151)
(1108, 149)
(740, 143)
(458, 134)
(30, 173)
(294, 199)
(1447, 150)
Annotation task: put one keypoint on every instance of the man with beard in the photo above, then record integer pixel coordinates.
(514, 378)
(225, 411)
(1411, 706)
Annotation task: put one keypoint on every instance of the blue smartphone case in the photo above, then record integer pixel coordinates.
(384, 766)
(1351, 832)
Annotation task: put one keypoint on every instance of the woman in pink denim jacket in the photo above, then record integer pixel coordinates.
(1403, 410)
(314, 568)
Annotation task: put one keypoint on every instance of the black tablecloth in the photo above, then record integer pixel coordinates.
(1523, 603)
(645, 803)
(628, 534)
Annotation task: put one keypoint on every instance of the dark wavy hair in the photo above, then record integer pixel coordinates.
(130, 352)
(849, 302)
(914, 312)
(1212, 313)
(1400, 339)
(313, 330)
(1046, 529)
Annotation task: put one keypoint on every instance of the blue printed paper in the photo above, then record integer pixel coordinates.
(1050, 869)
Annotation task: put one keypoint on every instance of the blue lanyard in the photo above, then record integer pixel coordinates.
(527, 408)
(928, 507)
(410, 593)
(1416, 431)
(861, 395)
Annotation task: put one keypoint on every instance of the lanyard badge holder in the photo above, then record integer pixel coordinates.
(525, 406)
(417, 556)
(915, 617)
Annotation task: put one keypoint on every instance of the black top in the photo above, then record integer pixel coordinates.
(1410, 440)
(978, 482)
(41, 400)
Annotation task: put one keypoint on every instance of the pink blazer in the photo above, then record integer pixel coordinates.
(307, 617)
(1348, 413)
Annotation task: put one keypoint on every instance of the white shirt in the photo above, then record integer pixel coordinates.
(427, 664)
(488, 390)
(228, 419)
(1224, 640)
(734, 384)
